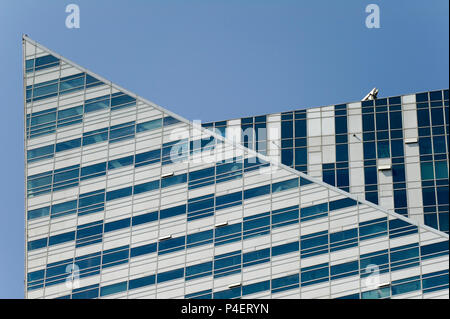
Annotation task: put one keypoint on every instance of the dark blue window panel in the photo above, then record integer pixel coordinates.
(256, 257)
(120, 100)
(435, 281)
(285, 248)
(376, 294)
(227, 264)
(369, 150)
(89, 233)
(287, 157)
(395, 120)
(201, 238)
(314, 274)
(65, 146)
(228, 294)
(201, 178)
(145, 187)
(91, 202)
(204, 294)
(228, 171)
(170, 275)
(98, 103)
(229, 200)
(353, 296)
(398, 227)
(122, 131)
(285, 216)
(144, 218)
(227, 234)
(115, 256)
(143, 250)
(173, 180)
(141, 282)
(93, 171)
(425, 145)
(287, 129)
(35, 279)
(254, 163)
(368, 122)
(114, 288)
(71, 83)
(428, 196)
(173, 211)
(405, 285)
(36, 244)
(66, 177)
(256, 225)
(70, 116)
(171, 245)
(149, 125)
(342, 177)
(118, 224)
(285, 283)
(343, 239)
(87, 294)
(342, 203)
(300, 128)
(200, 207)
(379, 258)
(370, 175)
(120, 162)
(314, 244)
(56, 272)
(284, 185)
(61, 238)
(372, 197)
(37, 213)
(397, 148)
(312, 212)
(373, 228)
(91, 81)
(434, 250)
(383, 149)
(344, 270)
(404, 257)
(169, 120)
(256, 287)
(63, 209)
(301, 156)
(199, 270)
(340, 124)
(96, 136)
(40, 63)
(119, 193)
(342, 153)
(439, 144)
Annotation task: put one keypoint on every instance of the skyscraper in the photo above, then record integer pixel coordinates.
(126, 199)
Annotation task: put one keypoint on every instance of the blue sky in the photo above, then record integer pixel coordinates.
(213, 60)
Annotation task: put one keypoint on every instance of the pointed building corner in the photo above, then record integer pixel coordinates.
(123, 179)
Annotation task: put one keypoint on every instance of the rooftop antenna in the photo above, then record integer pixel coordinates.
(372, 95)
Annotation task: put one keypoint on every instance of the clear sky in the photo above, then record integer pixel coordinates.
(214, 60)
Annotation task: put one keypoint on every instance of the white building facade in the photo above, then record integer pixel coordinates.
(125, 199)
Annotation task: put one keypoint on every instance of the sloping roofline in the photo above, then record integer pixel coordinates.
(239, 146)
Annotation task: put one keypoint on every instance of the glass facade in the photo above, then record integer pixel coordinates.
(128, 200)
(391, 151)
